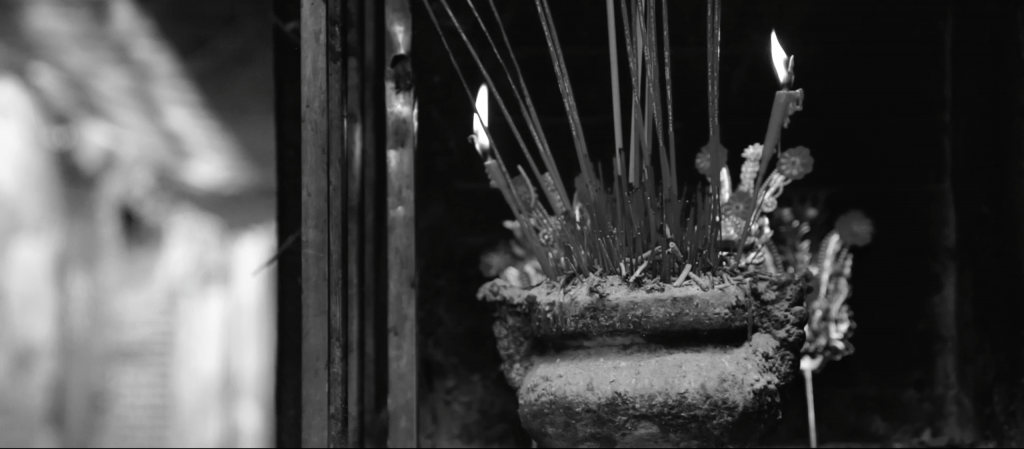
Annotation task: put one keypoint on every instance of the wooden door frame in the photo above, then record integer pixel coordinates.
(347, 353)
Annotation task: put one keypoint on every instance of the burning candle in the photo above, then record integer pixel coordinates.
(786, 103)
(482, 141)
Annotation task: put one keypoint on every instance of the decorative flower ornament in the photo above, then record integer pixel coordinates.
(795, 163)
(703, 162)
(739, 205)
(731, 227)
(753, 152)
(711, 158)
(748, 172)
(855, 228)
(772, 191)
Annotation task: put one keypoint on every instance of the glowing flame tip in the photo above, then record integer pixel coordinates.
(780, 59)
(483, 143)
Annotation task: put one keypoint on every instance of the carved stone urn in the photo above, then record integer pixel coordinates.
(600, 363)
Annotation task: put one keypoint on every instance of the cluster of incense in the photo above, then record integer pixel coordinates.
(642, 222)
(636, 223)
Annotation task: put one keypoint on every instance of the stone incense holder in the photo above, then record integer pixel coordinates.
(599, 363)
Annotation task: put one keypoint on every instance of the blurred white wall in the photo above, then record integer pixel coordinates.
(132, 311)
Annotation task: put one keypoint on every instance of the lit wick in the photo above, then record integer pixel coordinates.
(786, 103)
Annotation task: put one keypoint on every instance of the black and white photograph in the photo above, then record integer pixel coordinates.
(511, 223)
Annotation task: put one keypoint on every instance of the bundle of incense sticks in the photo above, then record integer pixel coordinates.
(642, 219)
(609, 226)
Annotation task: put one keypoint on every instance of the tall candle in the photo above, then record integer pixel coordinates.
(786, 103)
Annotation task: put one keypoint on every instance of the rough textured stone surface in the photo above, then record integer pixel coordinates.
(598, 363)
(610, 307)
(643, 396)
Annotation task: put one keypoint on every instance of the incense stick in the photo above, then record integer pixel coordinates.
(522, 106)
(640, 212)
(613, 51)
(546, 150)
(668, 100)
(491, 86)
(528, 231)
(565, 86)
(811, 425)
(714, 53)
(523, 94)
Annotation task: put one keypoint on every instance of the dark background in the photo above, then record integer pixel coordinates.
(875, 75)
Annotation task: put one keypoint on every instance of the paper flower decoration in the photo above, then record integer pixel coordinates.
(855, 228)
(739, 205)
(711, 158)
(795, 163)
(753, 152)
(704, 162)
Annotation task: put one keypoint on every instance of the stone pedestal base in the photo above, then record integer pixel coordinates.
(604, 365)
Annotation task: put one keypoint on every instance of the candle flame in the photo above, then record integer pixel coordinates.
(780, 60)
(483, 143)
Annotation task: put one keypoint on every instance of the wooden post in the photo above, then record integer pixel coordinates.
(316, 246)
(288, 116)
(357, 279)
(401, 138)
(372, 270)
(347, 301)
(339, 388)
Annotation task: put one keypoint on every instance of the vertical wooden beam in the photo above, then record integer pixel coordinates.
(374, 261)
(288, 119)
(337, 140)
(364, 207)
(399, 97)
(352, 32)
(344, 255)
(315, 225)
(353, 50)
